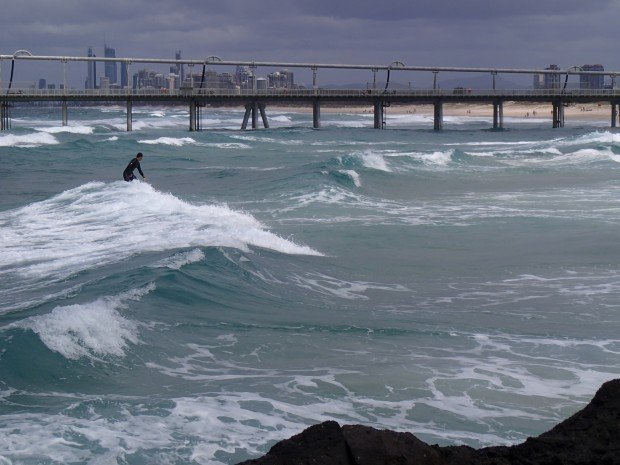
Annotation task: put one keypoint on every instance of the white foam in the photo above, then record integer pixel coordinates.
(78, 129)
(280, 119)
(352, 290)
(354, 175)
(601, 137)
(175, 141)
(228, 145)
(94, 330)
(374, 160)
(97, 224)
(435, 158)
(180, 259)
(27, 140)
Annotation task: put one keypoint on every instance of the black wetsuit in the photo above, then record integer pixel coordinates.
(128, 173)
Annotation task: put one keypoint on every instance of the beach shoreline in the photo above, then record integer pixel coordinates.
(590, 111)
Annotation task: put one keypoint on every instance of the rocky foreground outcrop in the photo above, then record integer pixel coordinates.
(589, 437)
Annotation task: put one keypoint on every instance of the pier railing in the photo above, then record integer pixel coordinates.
(280, 93)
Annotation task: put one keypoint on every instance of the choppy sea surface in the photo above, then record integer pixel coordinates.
(461, 285)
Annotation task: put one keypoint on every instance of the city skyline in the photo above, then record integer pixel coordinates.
(271, 77)
(431, 33)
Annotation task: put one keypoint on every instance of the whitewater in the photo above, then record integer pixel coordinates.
(460, 285)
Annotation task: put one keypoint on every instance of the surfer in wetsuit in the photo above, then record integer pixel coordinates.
(133, 164)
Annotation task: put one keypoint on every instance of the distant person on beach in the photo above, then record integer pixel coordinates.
(133, 164)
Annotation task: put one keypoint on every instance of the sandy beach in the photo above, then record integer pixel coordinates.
(576, 112)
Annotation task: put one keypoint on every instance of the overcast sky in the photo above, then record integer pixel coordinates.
(469, 33)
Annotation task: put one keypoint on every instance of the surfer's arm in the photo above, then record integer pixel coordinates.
(140, 170)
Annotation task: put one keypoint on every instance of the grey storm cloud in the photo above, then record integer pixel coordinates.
(500, 33)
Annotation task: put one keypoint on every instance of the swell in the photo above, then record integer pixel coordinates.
(100, 224)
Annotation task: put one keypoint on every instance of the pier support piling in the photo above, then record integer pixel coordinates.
(5, 117)
(438, 115)
(246, 116)
(129, 116)
(498, 115)
(192, 116)
(65, 113)
(614, 114)
(558, 114)
(254, 115)
(263, 115)
(378, 114)
(316, 114)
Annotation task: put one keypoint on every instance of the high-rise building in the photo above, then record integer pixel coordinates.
(539, 81)
(110, 66)
(552, 81)
(180, 69)
(124, 75)
(592, 81)
(91, 76)
(281, 79)
(177, 69)
(242, 77)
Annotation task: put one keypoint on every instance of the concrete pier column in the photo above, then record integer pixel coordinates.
(129, 115)
(198, 117)
(438, 115)
(192, 116)
(263, 115)
(65, 113)
(558, 114)
(5, 120)
(316, 114)
(498, 115)
(254, 115)
(614, 114)
(246, 116)
(378, 114)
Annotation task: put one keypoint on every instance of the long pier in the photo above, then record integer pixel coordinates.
(255, 101)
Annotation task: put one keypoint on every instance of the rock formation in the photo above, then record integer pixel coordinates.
(589, 437)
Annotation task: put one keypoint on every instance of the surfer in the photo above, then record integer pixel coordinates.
(133, 164)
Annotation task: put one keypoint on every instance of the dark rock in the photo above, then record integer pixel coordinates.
(591, 436)
(320, 444)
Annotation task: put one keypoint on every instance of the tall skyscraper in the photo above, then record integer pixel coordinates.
(91, 78)
(552, 81)
(181, 70)
(124, 76)
(110, 66)
(589, 81)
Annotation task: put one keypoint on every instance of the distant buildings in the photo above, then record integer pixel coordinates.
(242, 78)
(586, 81)
(178, 70)
(110, 66)
(91, 76)
(281, 79)
(245, 78)
(592, 81)
(124, 75)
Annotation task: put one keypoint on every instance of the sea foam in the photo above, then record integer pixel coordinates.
(93, 330)
(27, 140)
(99, 224)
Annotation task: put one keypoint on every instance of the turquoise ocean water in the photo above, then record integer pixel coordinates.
(461, 285)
